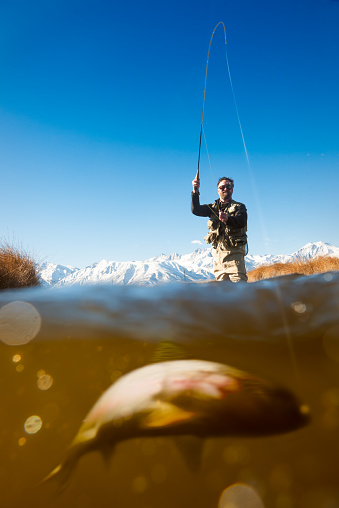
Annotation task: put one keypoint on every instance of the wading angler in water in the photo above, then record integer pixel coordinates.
(227, 230)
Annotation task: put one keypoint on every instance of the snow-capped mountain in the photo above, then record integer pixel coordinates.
(195, 266)
(51, 274)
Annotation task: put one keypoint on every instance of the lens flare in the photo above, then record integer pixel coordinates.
(20, 322)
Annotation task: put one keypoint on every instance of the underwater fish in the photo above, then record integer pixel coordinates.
(183, 397)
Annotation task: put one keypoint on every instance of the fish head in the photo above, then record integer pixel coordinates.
(260, 411)
(226, 402)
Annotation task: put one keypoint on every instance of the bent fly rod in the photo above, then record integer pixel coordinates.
(203, 103)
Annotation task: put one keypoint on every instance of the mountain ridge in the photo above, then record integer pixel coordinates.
(195, 266)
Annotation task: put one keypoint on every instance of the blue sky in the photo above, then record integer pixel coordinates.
(100, 111)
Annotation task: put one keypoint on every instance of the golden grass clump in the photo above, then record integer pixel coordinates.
(17, 269)
(308, 267)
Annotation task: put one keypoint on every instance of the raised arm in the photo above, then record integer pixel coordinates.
(196, 207)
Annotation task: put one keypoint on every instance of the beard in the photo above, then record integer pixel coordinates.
(226, 196)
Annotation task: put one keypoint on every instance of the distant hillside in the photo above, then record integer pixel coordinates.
(319, 264)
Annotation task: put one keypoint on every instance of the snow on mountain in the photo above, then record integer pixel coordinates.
(51, 274)
(195, 266)
(152, 271)
(314, 250)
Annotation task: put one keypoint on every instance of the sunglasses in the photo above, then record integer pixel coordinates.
(228, 186)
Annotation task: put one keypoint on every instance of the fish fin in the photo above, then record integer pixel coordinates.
(61, 474)
(166, 414)
(168, 350)
(107, 454)
(191, 449)
(86, 434)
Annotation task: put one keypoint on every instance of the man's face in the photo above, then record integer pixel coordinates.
(225, 190)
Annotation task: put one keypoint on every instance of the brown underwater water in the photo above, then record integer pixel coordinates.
(60, 349)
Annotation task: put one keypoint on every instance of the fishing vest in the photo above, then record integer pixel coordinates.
(219, 232)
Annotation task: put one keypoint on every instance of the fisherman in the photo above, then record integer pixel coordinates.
(227, 230)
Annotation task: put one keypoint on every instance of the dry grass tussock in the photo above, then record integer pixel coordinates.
(309, 267)
(17, 268)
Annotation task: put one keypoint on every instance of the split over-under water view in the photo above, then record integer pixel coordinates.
(180, 395)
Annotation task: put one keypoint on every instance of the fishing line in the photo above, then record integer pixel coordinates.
(289, 340)
(237, 111)
(203, 106)
(264, 234)
(254, 187)
(287, 331)
(203, 102)
(286, 327)
(233, 94)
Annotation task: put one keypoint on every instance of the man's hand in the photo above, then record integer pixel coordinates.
(196, 184)
(223, 216)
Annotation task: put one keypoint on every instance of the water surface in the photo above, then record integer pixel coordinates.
(61, 349)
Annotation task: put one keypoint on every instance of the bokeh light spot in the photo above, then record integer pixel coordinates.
(299, 307)
(240, 495)
(22, 441)
(330, 398)
(139, 484)
(33, 424)
(20, 367)
(45, 382)
(19, 323)
(304, 409)
(16, 358)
